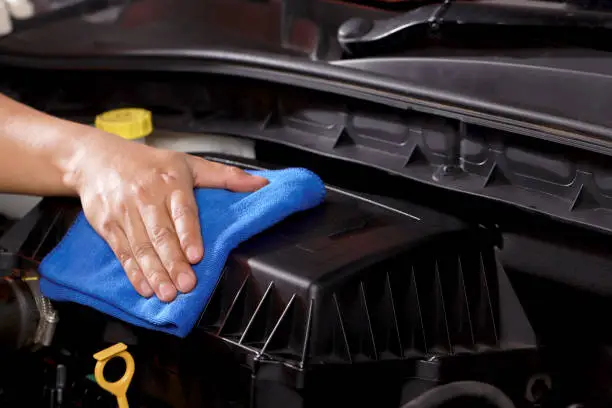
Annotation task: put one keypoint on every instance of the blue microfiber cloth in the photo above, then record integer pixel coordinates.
(83, 269)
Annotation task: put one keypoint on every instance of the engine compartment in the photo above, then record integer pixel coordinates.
(363, 301)
(463, 245)
(547, 274)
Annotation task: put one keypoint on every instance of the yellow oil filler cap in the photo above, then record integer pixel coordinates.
(128, 123)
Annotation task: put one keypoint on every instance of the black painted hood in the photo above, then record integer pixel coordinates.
(299, 28)
(301, 36)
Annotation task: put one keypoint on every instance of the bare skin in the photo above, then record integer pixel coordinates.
(138, 198)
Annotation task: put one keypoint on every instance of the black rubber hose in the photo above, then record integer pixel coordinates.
(445, 393)
(18, 314)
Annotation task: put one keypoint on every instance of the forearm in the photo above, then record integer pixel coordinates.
(37, 150)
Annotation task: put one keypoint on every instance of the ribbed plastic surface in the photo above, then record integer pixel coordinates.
(498, 163)
(363, 285)
(403, 308)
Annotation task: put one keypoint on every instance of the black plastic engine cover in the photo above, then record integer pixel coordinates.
(368, 303)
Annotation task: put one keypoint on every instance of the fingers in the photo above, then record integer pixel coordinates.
(145, 254)
(153, 225)
(217, 175)
(120, 245)
(163, 236)
(184, 212)
(151, 240)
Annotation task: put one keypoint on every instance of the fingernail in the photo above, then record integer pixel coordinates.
(185, 282)
(145, 289)
(193, 254)
(166, 291)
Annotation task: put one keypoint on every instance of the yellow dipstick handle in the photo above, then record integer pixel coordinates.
(118, 388)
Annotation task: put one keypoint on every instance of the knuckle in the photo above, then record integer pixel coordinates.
(232, 171)
(187, 240)
(167, 178)
(173, 266)
(124, 256)
(161, 235)
(143, 249)
(155, 174)
(180, 212)
(140, 192)
(153, 275)
(108, 226)
(134, 275)
(170, 176)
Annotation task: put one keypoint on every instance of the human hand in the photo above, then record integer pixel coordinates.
(140, 200)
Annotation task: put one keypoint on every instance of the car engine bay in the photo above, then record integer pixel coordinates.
(463, 249)
(389, 290)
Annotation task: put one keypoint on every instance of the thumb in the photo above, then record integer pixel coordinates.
(216, 175)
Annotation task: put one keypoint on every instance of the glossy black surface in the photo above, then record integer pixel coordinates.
(478, 25)
(298, 32)
(556, 94)
(296, 27)
(301, 28)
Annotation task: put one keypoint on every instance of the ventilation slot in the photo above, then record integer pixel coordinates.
(416, 305)
(440, 306)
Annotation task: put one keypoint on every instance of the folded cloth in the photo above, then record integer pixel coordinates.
(84, 270)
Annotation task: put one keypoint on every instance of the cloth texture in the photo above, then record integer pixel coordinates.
(83, 269)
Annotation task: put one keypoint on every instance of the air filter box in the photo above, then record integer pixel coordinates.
(361, 302)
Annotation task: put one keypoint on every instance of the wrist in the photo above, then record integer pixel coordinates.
(41, 154)
(69, 158)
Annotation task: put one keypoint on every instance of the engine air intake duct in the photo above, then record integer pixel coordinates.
(367, 302)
